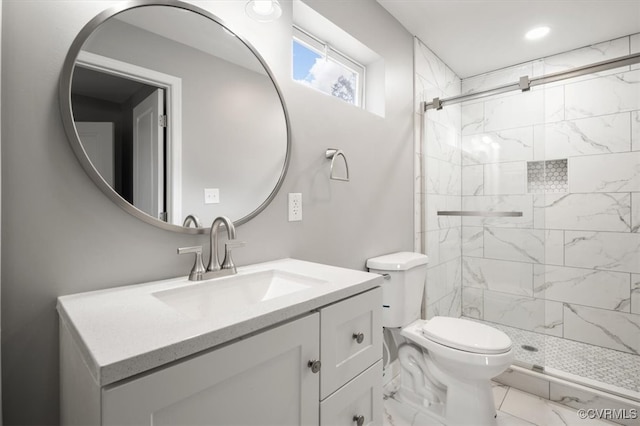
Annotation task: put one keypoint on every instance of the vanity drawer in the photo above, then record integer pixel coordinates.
(360, 397)
(351, 339)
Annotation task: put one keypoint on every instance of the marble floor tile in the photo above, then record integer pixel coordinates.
(504, 419)
(514, 408)
(499, 392)
(542, 412)
(399, 414)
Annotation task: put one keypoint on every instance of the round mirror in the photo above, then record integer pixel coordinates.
(177, 119)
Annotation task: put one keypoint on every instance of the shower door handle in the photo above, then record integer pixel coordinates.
(478, 213)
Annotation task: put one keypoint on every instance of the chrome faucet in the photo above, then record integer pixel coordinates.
(215, 269)
(214, 259)
(198, 271)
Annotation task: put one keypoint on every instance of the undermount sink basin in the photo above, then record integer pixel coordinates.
(228, 294)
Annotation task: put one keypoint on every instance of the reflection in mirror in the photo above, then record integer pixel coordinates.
(178, 116)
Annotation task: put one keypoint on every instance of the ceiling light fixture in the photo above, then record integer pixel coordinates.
(263, 10)
(537, 33)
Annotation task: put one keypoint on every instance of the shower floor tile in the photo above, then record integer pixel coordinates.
(603, 365)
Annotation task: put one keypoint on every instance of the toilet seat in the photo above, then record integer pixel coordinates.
(466, 335)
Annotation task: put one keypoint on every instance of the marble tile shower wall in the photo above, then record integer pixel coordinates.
(438, 183)
(570, 266)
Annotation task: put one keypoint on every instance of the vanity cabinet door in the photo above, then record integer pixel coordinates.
(263, 379)
(351, 335)
(360, 399)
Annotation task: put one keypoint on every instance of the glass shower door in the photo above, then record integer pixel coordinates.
(483, 243)
(503, 241)
(541, 188)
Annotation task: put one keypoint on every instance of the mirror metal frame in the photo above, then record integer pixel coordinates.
(74, 140)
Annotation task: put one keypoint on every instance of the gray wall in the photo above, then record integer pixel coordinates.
(61, 235)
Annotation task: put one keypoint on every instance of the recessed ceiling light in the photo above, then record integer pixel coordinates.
(537, 33)
(263, 10)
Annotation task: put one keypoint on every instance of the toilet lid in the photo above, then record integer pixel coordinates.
(401, 261)
(466, 335)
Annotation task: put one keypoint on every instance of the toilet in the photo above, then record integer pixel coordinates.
(446, 363)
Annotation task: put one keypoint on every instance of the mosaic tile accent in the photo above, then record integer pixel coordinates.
(535, 176)
(547, 176)
(593, 362)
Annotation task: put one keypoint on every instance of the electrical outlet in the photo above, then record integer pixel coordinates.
(295, 206)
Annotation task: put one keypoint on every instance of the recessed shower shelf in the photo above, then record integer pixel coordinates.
(547, 176)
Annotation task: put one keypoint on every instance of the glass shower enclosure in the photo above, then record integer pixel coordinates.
(530, 193)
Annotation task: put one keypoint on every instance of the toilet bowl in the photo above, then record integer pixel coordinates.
(446, 363)
(463, 356)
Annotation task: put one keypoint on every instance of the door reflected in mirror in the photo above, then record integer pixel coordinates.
(178, 116)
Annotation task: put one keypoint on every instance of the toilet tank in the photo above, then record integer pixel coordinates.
(403, 290)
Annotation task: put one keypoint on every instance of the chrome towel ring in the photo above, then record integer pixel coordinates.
(332, 154)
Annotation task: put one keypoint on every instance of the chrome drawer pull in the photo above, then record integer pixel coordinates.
(359, 420)
(358, 337)
(314, 365)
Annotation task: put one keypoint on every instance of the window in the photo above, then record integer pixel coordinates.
(318, 65)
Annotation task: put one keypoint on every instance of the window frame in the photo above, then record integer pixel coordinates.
(329, 52)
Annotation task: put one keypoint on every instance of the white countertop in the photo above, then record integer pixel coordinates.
(125, 331)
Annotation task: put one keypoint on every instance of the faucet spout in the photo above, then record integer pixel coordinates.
(214, 258)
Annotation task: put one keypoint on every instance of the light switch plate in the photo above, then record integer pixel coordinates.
(211, 195)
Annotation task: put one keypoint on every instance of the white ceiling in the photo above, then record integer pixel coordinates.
(476, 36)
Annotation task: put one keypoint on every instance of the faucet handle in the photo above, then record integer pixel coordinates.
(198, 267)
(227, 263)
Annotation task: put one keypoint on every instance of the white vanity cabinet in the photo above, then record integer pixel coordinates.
(261, 380)
(351, 352)
(267, 378)
(357, 403)
(320, 364)
(351, 339)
